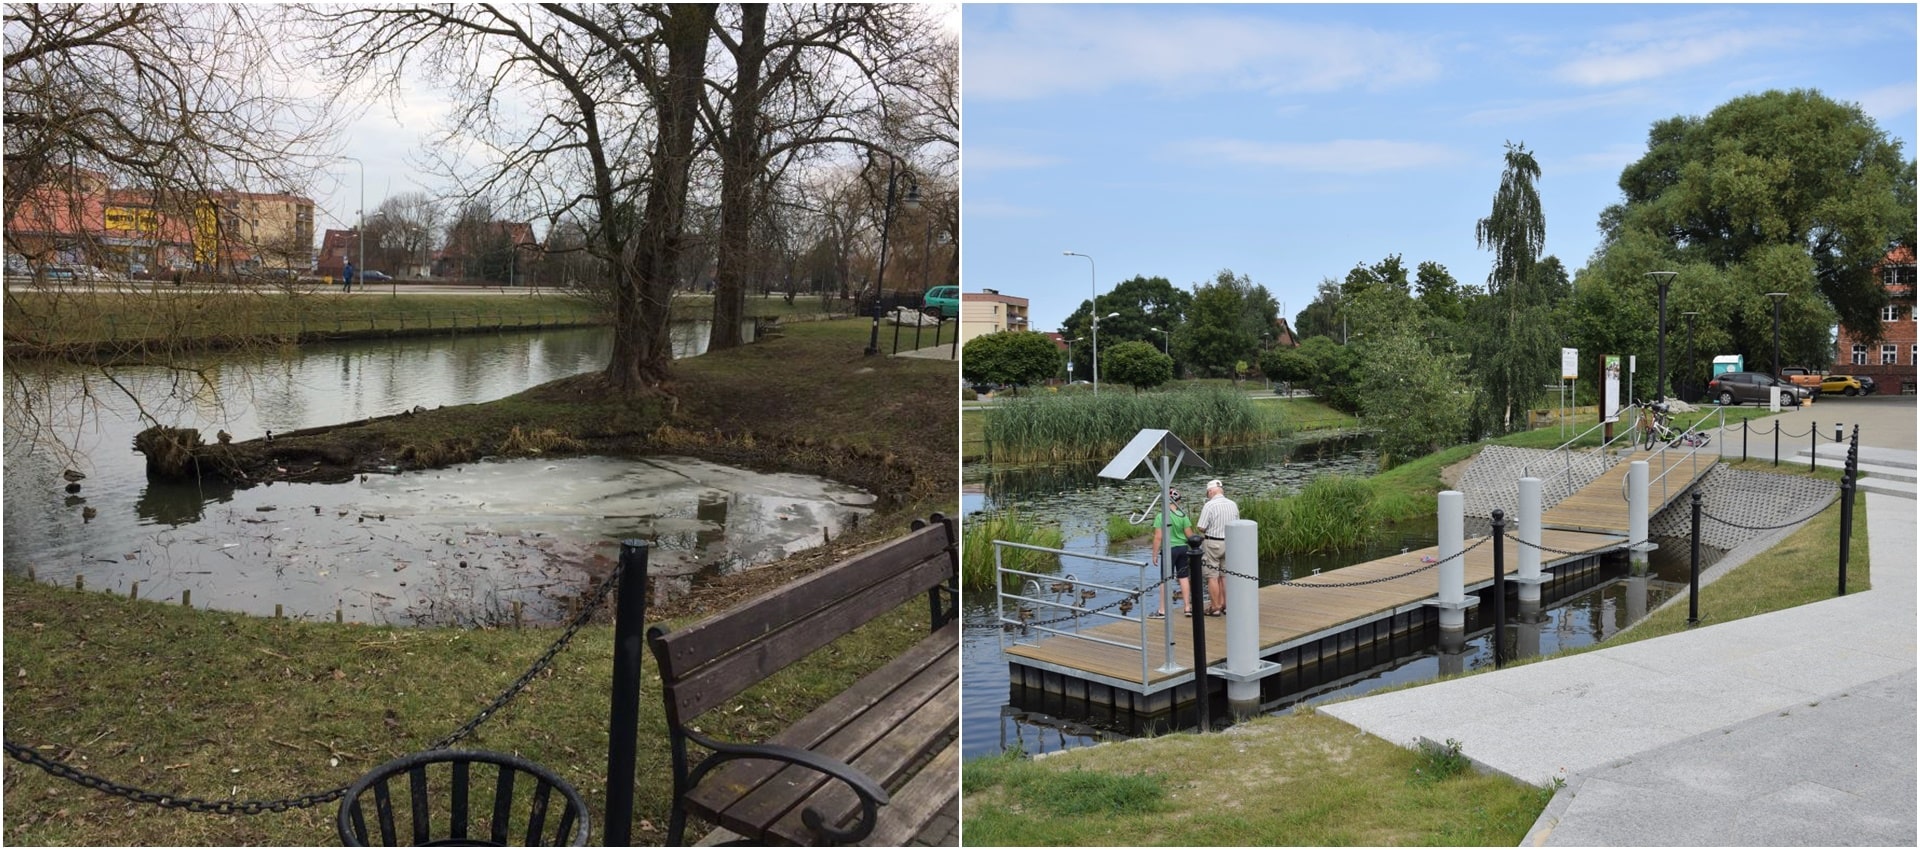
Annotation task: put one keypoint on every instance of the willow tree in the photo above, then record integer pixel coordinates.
(1514, 352)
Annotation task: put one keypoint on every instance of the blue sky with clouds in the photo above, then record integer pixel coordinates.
(1289, 143)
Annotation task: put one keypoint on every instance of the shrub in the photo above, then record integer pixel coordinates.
(976, 562)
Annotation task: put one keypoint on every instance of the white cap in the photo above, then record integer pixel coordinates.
(1215, 483)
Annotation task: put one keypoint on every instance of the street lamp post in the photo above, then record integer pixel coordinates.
(1660, 365)
(1777, 297)
(886, 225)
(1690, 361)
(1166, 341)
(1093, 309)
(360, 215)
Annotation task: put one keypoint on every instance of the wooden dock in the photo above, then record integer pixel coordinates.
(1601, 506)
(1586, 525)
(1290, 614)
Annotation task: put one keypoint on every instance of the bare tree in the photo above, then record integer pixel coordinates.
(804, 76)
(614, 91)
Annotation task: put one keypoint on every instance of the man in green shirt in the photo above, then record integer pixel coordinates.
(1177, 524)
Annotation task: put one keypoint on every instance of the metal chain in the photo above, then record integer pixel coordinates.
(65, 771)
(1135, 597)
(1383, 579)
(1788, 524)
(1551, 550)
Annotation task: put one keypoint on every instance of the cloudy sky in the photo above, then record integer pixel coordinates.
(1291, 142)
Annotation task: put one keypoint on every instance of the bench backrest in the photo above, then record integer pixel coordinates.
(711, 661)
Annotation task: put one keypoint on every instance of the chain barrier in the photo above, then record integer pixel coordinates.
(1133, 597)
(1550, 550)
(65, 771)
(1364, 582)
(1789, 524)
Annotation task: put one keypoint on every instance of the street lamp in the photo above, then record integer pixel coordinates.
(1660, 365)
(1776, 296)
(360, 229)
(886, 224)
(1093, 309)
(1166, 341)
(1690, 361)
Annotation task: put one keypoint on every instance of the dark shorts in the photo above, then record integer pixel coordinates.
(1180, 568)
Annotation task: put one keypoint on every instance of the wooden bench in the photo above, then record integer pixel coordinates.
(874, 764)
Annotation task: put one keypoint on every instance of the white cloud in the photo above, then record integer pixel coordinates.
(978, 159)
(1338, 156)
(1056, 51)
(1652, 49)
(1887, 101)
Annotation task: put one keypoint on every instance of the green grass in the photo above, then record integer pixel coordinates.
(1332, 512)
(1121, 528)
(977, 549)
(1296, 780)
(1067, 427)
(214, 705)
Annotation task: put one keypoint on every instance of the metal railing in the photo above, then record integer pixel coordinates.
(1691, 459)
(1565, 453)
(1028, 606)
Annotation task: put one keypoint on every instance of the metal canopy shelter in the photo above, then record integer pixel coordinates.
(1172, 454)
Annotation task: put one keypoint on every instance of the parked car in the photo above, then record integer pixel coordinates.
(1801, 376)
(942, 299)
(372, 276)
(1846, 385)
(1738, 387)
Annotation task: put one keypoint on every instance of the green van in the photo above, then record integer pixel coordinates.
(944, 299)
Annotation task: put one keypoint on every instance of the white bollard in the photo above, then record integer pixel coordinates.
(1243, 617)
(1528, 516)
(1637, 543)
(1453, 573)
(1773, 399)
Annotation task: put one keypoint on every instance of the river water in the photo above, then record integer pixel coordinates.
(458, 545)
(1072, 498)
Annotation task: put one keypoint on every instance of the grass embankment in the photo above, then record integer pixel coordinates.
(174, 700)
(57, 321)
(1300, 780)
(1319, 781)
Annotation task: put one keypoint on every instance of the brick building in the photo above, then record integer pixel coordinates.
(1892, 359)
(80, 219)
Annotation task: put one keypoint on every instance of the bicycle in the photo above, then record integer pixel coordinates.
(1656, 426)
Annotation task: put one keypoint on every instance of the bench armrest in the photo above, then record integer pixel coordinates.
(872, 796)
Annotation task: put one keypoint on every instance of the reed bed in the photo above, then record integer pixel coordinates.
(1069, 426)
(1121, 528)
(1331, 513)
(976, 547)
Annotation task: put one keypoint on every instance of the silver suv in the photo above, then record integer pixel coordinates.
(1737, 387)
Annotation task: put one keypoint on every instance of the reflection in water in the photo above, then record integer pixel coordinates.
(405, 548)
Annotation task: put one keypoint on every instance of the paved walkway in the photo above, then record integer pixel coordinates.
(1789, 728)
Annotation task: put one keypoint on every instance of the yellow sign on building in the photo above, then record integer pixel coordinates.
(133, 219)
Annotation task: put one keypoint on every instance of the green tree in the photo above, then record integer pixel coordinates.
(1334, 366)
(1225, 323)
(1137, 364)
(1781, 168)
(1415, 401)
(1515, 348)
(1144, 303)
(1321, 317)
(1015, 358)
(1289, 365)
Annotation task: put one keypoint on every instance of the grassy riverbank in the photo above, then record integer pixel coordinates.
(55, 321)
(224, 706)
(1320, 781)
(1276, 415)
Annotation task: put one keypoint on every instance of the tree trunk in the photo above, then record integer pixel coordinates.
(739, 170)
(643, 281)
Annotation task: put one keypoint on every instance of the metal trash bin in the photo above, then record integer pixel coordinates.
(506, 800)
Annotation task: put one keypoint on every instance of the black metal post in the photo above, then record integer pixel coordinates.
(1745, 429)
(1776, 442)
(1499, 588)
(1846, 529)
(873, 342)
(1660, 365)
(623, 721)
(1813, 445)
(896, 331)
(1693, 581)
(1197, 609)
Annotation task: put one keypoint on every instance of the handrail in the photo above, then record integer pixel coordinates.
(1562, 449)
(1001, 596)
(1691, 457)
